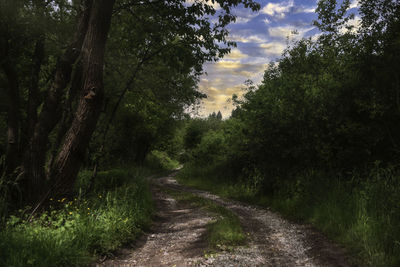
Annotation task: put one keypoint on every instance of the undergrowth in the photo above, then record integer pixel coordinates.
(364, 216)
(73, 232)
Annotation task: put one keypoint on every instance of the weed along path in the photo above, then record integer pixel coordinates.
(179, 236)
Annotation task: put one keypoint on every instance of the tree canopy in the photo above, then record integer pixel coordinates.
(54, 57)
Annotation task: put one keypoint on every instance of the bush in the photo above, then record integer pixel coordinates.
(160, 160)
(211, 150)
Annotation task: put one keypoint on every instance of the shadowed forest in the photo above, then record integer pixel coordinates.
(98, 95)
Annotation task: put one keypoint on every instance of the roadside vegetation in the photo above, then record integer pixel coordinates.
(75, 231)
(363, 218)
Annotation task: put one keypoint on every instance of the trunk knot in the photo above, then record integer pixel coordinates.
(90, 94)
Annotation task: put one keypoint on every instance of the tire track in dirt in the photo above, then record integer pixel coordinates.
(175, 239)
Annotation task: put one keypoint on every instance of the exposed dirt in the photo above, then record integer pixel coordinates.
(178, 237)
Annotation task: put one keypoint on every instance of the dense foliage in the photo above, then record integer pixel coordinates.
(318, 138)
(99, 77)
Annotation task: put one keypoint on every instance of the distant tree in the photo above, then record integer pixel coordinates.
(194, 132)
(219, 115)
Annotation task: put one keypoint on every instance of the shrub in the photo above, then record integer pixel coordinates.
(160, 160)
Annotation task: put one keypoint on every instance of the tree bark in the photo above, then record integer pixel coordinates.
(33, 95)
(67, 114)
(76, 141)
(35, 156)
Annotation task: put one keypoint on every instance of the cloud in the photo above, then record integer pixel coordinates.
(278, 10)
(267, 21)
(315, 37)
(281, 9)
(354, 25)
(237, 38)
(303, 9)
(228, 67)
(246, 39)
(224, 64)
(235, 54)
(218, 99)
(229, 72)
(306, 9)
(214, 4)
(240, 20)
(218, 82)
(223, 82)
(245, 73)
(354, 4)
(282, 32)
(244, 15)
(274, 48)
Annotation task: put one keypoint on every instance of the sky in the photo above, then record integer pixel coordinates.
(261, 38)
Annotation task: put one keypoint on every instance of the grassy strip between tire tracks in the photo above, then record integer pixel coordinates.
(223, 233)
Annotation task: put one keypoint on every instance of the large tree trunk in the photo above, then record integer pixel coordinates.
(33, 95)
(35, 156)
(76, 141)
(67, 114)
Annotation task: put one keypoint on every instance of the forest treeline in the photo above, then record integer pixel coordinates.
(318, 139)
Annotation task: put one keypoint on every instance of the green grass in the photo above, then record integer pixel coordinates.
(76, 231)
(225, 232)
(364, 217)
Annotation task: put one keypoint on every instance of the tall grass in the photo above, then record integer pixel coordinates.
(75, 231)
(363, 213)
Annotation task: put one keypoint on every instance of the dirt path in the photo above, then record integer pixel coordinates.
(178, 238)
